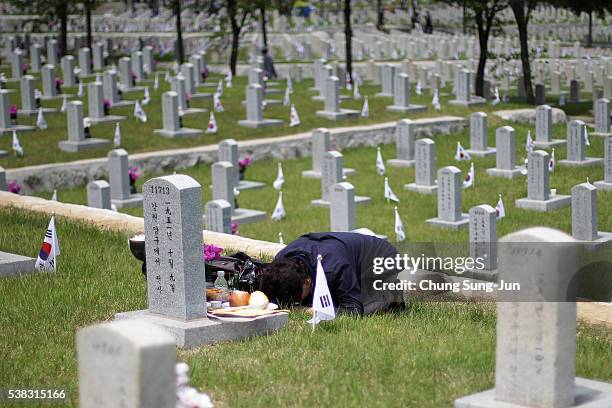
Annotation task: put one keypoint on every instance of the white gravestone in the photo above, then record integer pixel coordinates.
(98, 194)
(95, 101)
(606, 183)
(505, 156)
(331, 173)
(401, 96)
(576, 146)
(584, 216)
(5, 117)
(228, 151)
(76, 136)
(321, 143)
(544, 124)
(405, 135)
(539, 197)
(424, 167)
(172, 125)
(254, 109)
(332, 102)
(218, 216)
(449, 200)
(118, 168)
(479, 136)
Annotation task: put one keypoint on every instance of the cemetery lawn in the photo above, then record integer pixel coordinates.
(41, 146)
(425, 356)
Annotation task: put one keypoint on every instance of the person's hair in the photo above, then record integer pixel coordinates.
(282, 280)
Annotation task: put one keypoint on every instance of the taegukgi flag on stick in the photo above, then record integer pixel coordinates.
(212, 124)
(40, 120)
(147, 96)
(217, 103)
(356, 93)
(551, 162)
(365, 110)
(50, 249)
(17, 145)
(469, 178)
(64, 104)
(287, 97)
(279, 211)
(294, 118)
(389, 194)
(280, 178)
(220, 87)
(500, 210)
(399, 227)
(322, 303)
(380, 164)
(461, 154)
(435, 102)
(117, 137)
(139, 113)
(529, 145)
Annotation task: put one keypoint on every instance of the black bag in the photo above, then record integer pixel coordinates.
(240, 270)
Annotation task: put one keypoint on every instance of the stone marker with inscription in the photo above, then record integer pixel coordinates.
(76, 135)
(401, 96)
(126, 364)
(228, 152)
(405, 135)
(535, 363)
(175, 268)
(505, 158)
(483, 237)
(584, 217)
(99, 194)
(5, 118)
(321, 143)
(479, 136)
(331, 173)
(218, 216)
(539, 197)
(342, 210)
(449, 200)
(332, 102)
(576, 146)
(95, 100)
(254, 109)
(606, 183)
(424, 167)
(119, 180)
(544, 124)
(28, 99)
(171, 120)
(602, 118)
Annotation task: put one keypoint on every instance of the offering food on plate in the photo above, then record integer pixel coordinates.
(239, 298)
(258, 300)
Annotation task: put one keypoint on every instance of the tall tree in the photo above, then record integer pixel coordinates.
(236, 23)
(522, 12)
(88, 5)
(179, 33)
(380, 16)
(590, 7)
(263, 22)
(348, 40)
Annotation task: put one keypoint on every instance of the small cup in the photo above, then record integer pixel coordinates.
(553, 192)
(215, 304)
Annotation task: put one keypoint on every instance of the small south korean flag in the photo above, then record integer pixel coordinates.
(280, 178)
(212, 124)
(117, 137)
(380, 163)
(322, 303)
(279, 211)
(529, 145)
(147, 96)
(365, 110)
(551, 162)
(586, 136)
(435, 102)
(228, 79)
(461, 154)
(64, 104)
(220, 87)
(294, 118)
(469, 178)
(496, 100)
(287, 97)
(290, 84)
(500, 210)
(40, 120)
(356, 93)
(156, 82)
(217, 105)
(17, 145)
(50, 249)
(139, 113)
(80, 91)
(389, 194)
(399, 227)
(419, 88)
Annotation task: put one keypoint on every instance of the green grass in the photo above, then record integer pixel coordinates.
(41, 146)
(426, 356)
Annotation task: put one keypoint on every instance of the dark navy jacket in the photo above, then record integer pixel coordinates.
(347, 262)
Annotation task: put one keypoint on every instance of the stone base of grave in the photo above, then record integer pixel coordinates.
(588, 161)
(16, 265)
(34, 112)
(319, 202)
(193, 111)
(3, 153)
(260, 123)
(321, 98)
(407, 109)
(317, 174)
(600, 134)
(247, 216)
(547, 145)
(588, 394)
(602, 185)
(55, 97)
(201, 95)
(269, 91)
(206, 85)
(268, 102)
(16, 128)
(249, 185)
(482, 153)
(9, 90)
(106, 119)
(553, 203)
(193, 333)
(454, 225)
(471, 102)
(70, 146)
(341, 114)
(509, 174)
(421, 189)
(383, 95)
(120, 104)
(133, 201)
(604, 239)
(400, 163)
(182, 132)
(133, 89)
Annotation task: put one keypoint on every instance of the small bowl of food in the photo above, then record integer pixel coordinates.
(258, 300)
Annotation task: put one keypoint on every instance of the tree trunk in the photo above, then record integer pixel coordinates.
(521, 22)
(88, 23)
(63, 15)
(348, 34)
(590, 38)
(179, 33)
(483, 40)
(463, 19)
(380, 16)
(264, 31)
(234, 52)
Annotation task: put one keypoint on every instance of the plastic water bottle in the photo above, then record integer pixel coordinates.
(222, 286)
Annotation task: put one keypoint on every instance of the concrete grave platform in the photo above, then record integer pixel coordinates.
(182, 132)
(602, 185)
(474, 101)
(261, 123)
(132, 89)
(400, 163)
(553, 203)
(123, 103)
(268, 102)
(317, 174)
(107, 119)
(529, 115)
(247, 216)
(201, 95)
(342, 114)
(324, 203)
(407, 109)
(588, 161)
(16, 265)
(249, 185)
(320, 98)
(600, 134)
(58, 96)
(34, 112)
(454, 225)
(86, 144)
(588, 394)
(604, 240)
(135, 200)
(3, 153)
(509, 174)
(193, 111)
(193, 333)
(17, 128)
(548, 145)
(421, 189)
(491, 151)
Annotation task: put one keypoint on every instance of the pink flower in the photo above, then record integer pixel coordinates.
(134, 173)
(13, 109)
(106, 102)
(212, 252)
(243, 163)
(59, 81)
(234, 228)
(14, 187)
